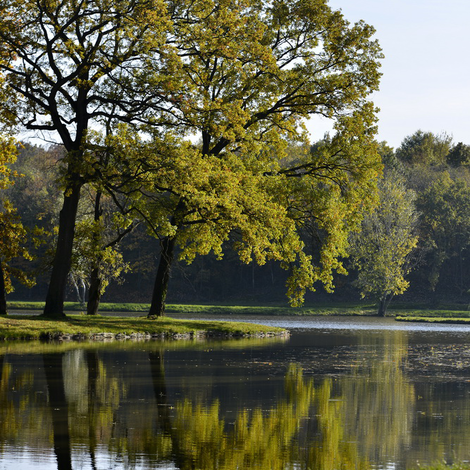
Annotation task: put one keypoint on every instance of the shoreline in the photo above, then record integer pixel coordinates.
(106, 328)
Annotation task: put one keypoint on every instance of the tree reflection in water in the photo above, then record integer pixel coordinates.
(379, 399)
(89, 414)
(268, 439)
(59, 409)
(99, 406)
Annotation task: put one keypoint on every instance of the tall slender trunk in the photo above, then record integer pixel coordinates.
(54, 307)
(157, 308)
(94, 294)
(3, 294)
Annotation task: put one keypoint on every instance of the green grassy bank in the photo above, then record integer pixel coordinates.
(434, 319)
(102, 327)
(402, 310)
(318, 309)
(441, 315)
(444, 313)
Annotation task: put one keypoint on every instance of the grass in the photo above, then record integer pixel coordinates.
(442, 315)
(318, 309)
(449, 313)
(36, 327)
(434, 319)
(77, 307)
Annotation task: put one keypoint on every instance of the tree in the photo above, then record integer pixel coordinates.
(381, 251)
(389, 157)
(37, 194)
(12, 232)
(251, 72)
(96, 257)
(424, 148)
(459, 155)
(67, 67)
(445, 228)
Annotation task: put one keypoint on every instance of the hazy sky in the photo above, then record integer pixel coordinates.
(426, 70)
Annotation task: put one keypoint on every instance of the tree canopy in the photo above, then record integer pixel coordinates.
(381, 250)
(445, 225)
(249, 74)
(424, 148)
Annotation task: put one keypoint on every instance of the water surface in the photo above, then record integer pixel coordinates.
(340, 393)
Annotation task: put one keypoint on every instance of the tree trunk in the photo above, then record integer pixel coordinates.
(94, 294)
(3, 294)
(382, 308)
(383, 305)
(157, 308)
(54, 307)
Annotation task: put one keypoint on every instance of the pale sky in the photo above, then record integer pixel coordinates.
(426, 70)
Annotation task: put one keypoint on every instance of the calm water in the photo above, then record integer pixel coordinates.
(340, 393)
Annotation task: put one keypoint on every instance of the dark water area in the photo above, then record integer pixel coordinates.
(340, 393)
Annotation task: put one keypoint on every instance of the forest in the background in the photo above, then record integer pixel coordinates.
(423, 209)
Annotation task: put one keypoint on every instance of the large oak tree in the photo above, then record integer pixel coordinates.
(249, 74)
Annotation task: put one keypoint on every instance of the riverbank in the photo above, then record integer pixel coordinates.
(81, 327)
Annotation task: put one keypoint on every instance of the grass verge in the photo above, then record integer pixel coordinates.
(402, 311)
(319, 309)
(431, 319)
(82, 326)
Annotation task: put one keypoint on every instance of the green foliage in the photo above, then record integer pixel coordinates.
(36, 194)
(459, 155)
(96, 47)
(424, 148)
(245, 94)
(389, 157)
(69, 66)
(445, 223)
(381, 251)
(91, 250)
(12, 233)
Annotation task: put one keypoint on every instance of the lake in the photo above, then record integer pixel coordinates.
(339, 393)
